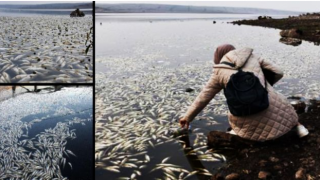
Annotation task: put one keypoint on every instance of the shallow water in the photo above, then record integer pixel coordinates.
(34, 116)
(150, 17)
(172, 43)
(145, 64)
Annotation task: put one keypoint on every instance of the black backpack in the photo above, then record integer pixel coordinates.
(245, 94)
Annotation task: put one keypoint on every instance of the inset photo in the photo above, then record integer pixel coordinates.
(46, 132)
(46, 42)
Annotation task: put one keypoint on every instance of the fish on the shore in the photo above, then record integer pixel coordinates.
(45, 50)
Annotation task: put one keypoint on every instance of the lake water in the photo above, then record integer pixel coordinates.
(144, 62)
(37, 12)
(32, 121)
(168, 42)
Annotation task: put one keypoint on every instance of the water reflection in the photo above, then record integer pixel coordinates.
(193, 159)
(290, 41)
(13, 90)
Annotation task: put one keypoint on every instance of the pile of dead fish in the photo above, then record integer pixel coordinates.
(137, 106)
(45, 49)
(140, 112)
(44, 155)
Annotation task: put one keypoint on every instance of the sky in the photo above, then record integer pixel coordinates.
(39, 2)
(308, 6)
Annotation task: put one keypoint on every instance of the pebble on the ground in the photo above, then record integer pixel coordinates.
(264, 175)
(232, 176)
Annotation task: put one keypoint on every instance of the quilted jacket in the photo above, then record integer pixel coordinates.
(275, 121)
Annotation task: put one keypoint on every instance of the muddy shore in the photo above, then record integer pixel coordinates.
(3, 88)
(288, 157)
(308, 24)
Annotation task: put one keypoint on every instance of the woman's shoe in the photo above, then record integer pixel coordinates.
(302, 131)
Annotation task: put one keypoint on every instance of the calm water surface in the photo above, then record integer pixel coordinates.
(38, 12)
(170, 40)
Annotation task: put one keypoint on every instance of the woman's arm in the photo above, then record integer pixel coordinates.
(272, 73)
(208, 92)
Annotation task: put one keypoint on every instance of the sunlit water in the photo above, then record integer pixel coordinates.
(145, 57)
(40, 112)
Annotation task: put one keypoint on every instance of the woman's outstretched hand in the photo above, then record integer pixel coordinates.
(184, 123)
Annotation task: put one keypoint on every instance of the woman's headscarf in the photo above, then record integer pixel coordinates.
(221, 51)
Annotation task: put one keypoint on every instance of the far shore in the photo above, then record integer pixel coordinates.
(308, 24)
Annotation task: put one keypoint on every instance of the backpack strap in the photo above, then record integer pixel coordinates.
(228, 63)
(265, 82)
(239, 69)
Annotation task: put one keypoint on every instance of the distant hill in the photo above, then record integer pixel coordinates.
(166, 8)
(50, 6)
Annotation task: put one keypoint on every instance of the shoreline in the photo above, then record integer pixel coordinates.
(288, 157)
(308, 24)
